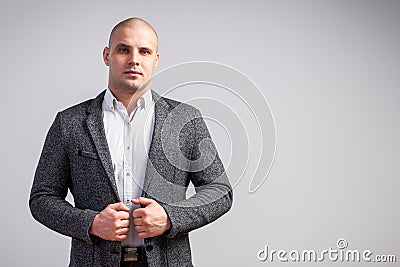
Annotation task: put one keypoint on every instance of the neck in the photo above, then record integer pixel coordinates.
(128, 99)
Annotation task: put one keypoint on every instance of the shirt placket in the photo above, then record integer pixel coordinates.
(128, 179)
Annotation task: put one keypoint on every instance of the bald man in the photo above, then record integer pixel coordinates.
(129, 187)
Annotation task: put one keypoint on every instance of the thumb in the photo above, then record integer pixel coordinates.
(142, 201)
(119, 206)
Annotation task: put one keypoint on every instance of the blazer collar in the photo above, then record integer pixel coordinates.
(95, 125)
(156, 159)
(94, 122)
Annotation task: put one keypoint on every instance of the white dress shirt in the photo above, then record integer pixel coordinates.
(129, 139)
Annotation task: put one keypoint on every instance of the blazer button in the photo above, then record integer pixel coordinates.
(149, 248)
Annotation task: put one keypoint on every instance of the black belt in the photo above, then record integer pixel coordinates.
(133, 254)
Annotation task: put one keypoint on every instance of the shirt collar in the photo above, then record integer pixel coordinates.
(112, 103)
(145, 100)
(109, 100)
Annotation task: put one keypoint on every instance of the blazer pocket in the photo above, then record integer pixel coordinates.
(86, 154)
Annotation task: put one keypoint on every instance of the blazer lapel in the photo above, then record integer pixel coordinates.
(161, 110)
(95, 126)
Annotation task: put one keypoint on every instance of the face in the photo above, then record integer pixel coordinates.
(132, 58)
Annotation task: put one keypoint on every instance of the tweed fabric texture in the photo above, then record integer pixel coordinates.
(75, 157)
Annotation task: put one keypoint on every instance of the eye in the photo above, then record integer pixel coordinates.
(144, 52)
(123, 50)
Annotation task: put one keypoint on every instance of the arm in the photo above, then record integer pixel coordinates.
(50, 187)
(213, 195)
(212, 200)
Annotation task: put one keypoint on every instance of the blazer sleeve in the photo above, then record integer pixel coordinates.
(214, 194)
(50, 187)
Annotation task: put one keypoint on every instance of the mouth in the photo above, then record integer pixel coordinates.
(133, 73)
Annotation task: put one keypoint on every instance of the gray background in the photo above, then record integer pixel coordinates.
(329, 70)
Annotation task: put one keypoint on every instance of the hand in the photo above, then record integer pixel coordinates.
(151, 220)
(112, 223)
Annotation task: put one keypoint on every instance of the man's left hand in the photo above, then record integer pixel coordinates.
(150, 221)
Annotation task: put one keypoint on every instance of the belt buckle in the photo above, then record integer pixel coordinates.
(130, 254)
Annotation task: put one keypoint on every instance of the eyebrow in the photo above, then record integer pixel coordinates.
(126, 45)
(122, 44)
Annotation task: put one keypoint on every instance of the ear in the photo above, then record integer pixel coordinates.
(106, 53)
(157, 59)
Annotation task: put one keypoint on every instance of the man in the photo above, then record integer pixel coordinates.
(127, 169)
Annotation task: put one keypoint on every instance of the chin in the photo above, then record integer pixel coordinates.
(137, 86)
(132, 86)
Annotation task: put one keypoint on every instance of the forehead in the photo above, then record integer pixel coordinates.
(134, 36)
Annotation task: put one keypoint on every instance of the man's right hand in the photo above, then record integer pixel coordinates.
(112, 223)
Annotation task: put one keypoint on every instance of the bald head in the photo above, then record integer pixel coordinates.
(132, 23)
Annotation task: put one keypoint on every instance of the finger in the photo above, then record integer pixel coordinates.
(124, 223)
(119, 207)
(120, 237)
(144, 235)
(122, 231)
(137, 221)
(135, 201)
(142, 201)
(138, 213)
(122, 207)
(140, 229)
(123, 215)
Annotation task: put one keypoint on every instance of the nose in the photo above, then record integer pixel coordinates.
(134, 59)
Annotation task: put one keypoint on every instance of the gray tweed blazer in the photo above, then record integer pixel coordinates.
(75, 156)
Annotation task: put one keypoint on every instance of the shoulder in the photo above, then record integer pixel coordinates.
(180, 113)
(78, 108)
(82, 109)
(180, 108)
(168, 103)
(174, 104)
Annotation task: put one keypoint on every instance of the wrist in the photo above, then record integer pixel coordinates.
(92, 229)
